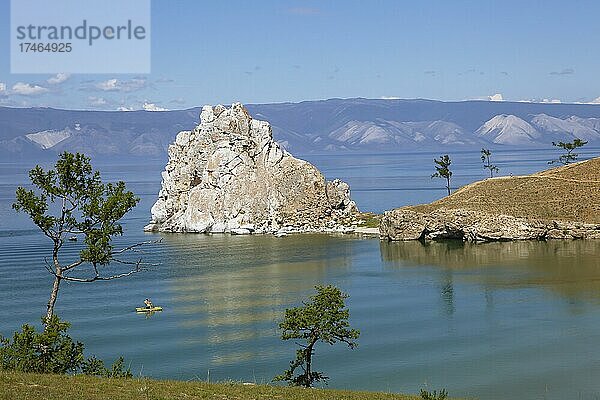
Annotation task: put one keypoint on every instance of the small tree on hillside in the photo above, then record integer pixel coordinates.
(323, 319)
(485, 158)
(442, 167)
(569, 156)
(71, 200)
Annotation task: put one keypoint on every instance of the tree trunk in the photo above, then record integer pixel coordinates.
(57, 274)
(309, 352)
(53, 295)
(448, 185)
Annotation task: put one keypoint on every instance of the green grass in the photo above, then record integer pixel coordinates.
(370, 220)
(16, 386)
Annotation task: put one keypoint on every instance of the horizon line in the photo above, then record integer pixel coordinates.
(383, 98)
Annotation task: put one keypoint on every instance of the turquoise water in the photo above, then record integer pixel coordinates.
(493, 321)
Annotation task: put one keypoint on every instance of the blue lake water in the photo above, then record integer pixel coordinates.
(492, 321)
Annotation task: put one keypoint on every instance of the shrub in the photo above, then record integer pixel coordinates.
(95, 367)
(52, 351)
(442, 395)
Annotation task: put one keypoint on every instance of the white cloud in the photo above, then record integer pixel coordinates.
(2, 89)
(595, 101)
(58, 78)
(564, 71)
(146, 106)
(494, 97)
(153, 107)
(111, 84)
(544, 101)
(389, 98)
(26, 89)
(115, 85)
(97, 101)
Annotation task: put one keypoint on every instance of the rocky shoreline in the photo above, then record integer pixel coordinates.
(474, 226)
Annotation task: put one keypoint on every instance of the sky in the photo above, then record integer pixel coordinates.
(266, 51)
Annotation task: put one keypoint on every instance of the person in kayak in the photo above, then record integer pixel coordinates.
(148, 303)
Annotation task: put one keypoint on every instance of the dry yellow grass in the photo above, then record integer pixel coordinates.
(567, 193)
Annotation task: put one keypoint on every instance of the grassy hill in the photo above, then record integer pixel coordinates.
(567, 193)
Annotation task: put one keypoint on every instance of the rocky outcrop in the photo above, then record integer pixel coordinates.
(229, 175)
(477, 226)
(559, 203)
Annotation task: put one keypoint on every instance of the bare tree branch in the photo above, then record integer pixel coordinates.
(100, 278)
(134, 246)
(135, 263)
(138, 268)
(47, 265)
(72, 265)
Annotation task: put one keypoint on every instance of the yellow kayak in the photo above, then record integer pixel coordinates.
(148, 309)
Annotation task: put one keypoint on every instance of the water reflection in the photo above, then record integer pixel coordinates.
(230, 291)
(570, 268)
(447, 291)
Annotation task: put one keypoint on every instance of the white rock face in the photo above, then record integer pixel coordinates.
(228, 175)
(49, 138)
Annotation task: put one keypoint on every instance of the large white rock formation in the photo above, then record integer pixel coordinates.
(229, 175)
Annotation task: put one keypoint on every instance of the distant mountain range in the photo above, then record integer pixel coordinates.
(355, 125)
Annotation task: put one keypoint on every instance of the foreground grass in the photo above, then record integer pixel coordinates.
(16, 386)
